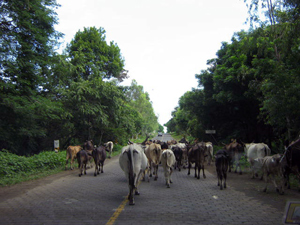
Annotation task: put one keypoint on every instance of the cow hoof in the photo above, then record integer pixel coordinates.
(241, 173)
(221, 188)
(265, 189)
(101, 171)
(109, 157)
(131, 202)
(224, 185)
(137, 193)
(198, 178)
(95, 174)
(179, 169)
(79, 175)
(168, 186)
(204, 176)
(155, 178)
(150, 175)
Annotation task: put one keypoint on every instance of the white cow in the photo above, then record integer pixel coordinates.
(256, 151)
(210, 152)
(133, 162)
(272, 166)
(167, 161)
(109, 146)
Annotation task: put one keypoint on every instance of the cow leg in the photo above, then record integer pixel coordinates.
(85, 168)
(189, 168)
(150, 169)
(203, 172)
(102, 164)
(266, 181)
(225, 177)
(72, 161)
(80, 170)
(155, 172)
(130, 196)
(278, 189)
(167, 177)
(199, 168)
(96, 169)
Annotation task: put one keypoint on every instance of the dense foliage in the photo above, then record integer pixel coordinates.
(251, 91)
(73, 96)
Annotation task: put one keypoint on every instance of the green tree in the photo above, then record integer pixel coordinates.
(27, 46)
(93, 57)
(140, 101)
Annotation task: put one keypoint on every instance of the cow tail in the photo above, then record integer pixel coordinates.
(130, 169)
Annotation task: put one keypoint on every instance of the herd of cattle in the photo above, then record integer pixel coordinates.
(141, 161)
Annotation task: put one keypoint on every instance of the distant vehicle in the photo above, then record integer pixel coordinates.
(159, 134)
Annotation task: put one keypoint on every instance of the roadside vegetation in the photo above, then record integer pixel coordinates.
(16, 169)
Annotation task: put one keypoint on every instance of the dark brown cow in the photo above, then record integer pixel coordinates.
(178, 156)
(82, 158)
(235, 151)
(89, 146)
(99, 155)
(222, 163)
(196, 155)
(291, 160)
(71, 154)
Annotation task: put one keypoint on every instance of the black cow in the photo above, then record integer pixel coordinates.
(178, 156)
(196, 155)
(82, 158)
(99, 155)
(222, 163)
(164, 145)
(291, 161)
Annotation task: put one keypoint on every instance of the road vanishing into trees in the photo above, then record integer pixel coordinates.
(66, 198)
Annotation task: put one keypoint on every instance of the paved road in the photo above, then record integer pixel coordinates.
(70, 199)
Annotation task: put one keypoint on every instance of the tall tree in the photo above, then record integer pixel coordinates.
(27, 41)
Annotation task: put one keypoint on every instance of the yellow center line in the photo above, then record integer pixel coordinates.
(117, 212)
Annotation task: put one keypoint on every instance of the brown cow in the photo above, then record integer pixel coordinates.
(71, 154)
(153, 153)
(196, 155)
(82, 158)
(235, 151)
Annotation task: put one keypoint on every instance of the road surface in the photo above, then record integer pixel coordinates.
(66, 198)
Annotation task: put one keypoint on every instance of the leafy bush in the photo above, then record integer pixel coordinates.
(13, 167)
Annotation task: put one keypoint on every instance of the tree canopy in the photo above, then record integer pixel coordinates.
(251, 89)
(72, 96)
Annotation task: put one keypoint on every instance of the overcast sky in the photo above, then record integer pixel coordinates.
(164, 42)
